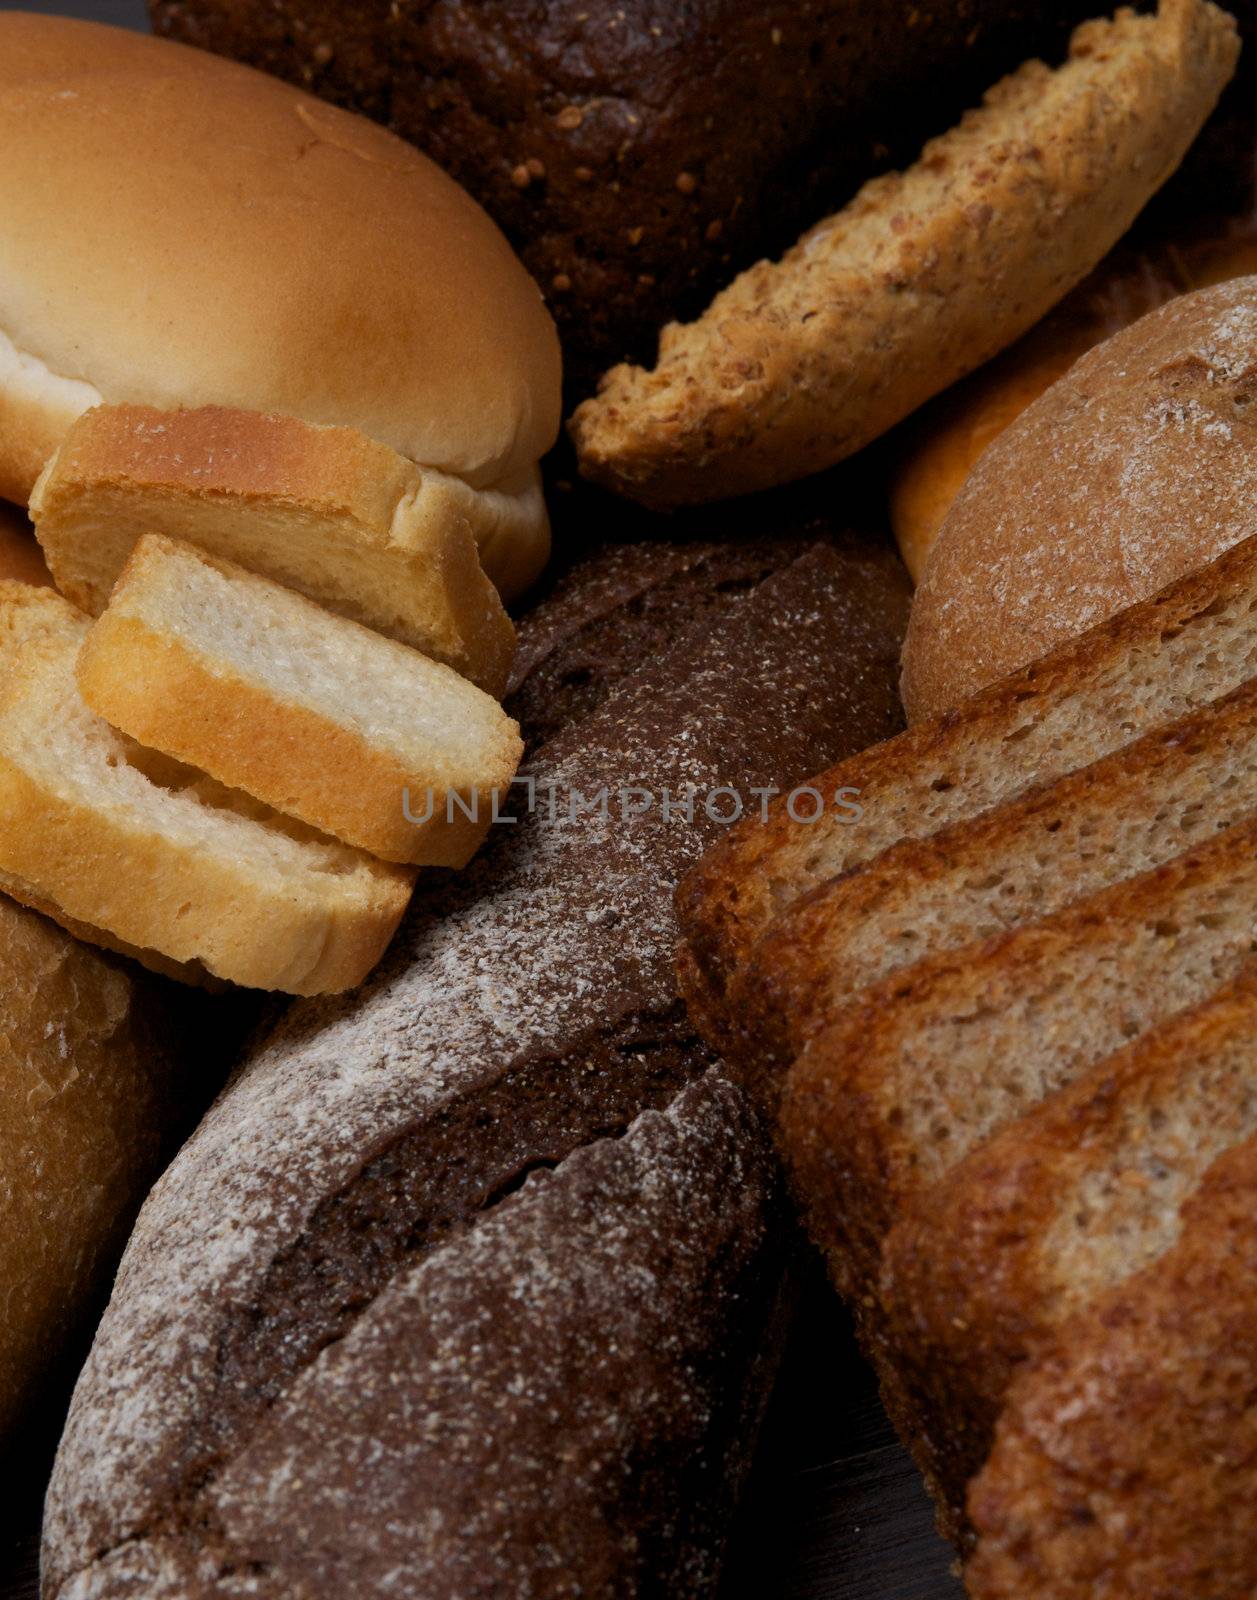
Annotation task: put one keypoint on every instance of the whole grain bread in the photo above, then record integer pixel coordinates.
(528, 1008)
(326, 511)
(322, 719)
(1124, 1465)
(925, 275)
(160, 856)
(609, 141)
(932, 1062)
(1115, 819)
(1155, 662)
(1062, 1205)
(1134, 468)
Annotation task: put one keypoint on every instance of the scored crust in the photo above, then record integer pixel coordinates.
(924, 276)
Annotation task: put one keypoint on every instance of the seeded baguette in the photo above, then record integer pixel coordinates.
(1117, 818)
(322, 719)
(1061, 1206)
(326, 511)
(1124, 1466)
(1187, 646)
(164, 858)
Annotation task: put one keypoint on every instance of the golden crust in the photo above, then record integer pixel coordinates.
(922, 278)
(172, 696)
(327, 511)
(178, 229)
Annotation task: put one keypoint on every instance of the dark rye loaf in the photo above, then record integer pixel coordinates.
(528, 1008)
(611, 141)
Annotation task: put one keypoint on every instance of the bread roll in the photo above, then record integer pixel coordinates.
(1137, 466)
(945, 441)
(179, 230)
(85, 1069)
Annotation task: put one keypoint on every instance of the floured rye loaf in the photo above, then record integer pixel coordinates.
(528, 1008)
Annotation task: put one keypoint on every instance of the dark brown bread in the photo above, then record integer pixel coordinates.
(611, 141)
(1146, 666)
(1125, 1465)
(528, 1009)
(1061, 1206)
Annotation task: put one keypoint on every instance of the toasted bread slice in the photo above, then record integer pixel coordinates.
(925, 275)
(355, 734)
(1150, 665)
(934, 1060)
(165, 859)
(325, 511)
(1125, 1463)
(1061, 1206)
(1116, 819)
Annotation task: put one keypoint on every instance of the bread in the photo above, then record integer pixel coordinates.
(527, 1010)
(1119, 817)
(180, 231)
(163, 858)
(1153, 663)
(945, 441)
(319, 718)
(1062, 1205)
(924, 276)
(609, 141)
(972, 1037)
(1123, 1466)
(20, 556)
(86, 1073)
(325, 511)
(1130, 471)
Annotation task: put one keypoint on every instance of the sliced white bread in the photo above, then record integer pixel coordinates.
(355, 734)
(164, 858)
(326, 511)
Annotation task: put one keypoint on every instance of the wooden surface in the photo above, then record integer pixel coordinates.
(834, 1510)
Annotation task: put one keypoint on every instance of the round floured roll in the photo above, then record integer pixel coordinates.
(177, 230)
(1137, 466)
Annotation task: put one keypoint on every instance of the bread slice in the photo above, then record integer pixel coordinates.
(925, 275)
(1057, 1209)
(1125, 1463)
(1118, 818)
(325, 511)
(165, 859)
(1189, 645)
(933, 1061)
(324, 720)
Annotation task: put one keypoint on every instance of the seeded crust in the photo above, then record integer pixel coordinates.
(1148, 665)
(924, 276)
(1115, 819)
(1060, 1206)
(1124, 1466)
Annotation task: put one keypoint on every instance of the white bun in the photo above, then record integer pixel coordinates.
(176, 230)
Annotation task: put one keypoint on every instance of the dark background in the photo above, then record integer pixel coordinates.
(835, 1510)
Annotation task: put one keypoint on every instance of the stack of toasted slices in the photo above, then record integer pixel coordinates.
(1002, 996)
(226, 745)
